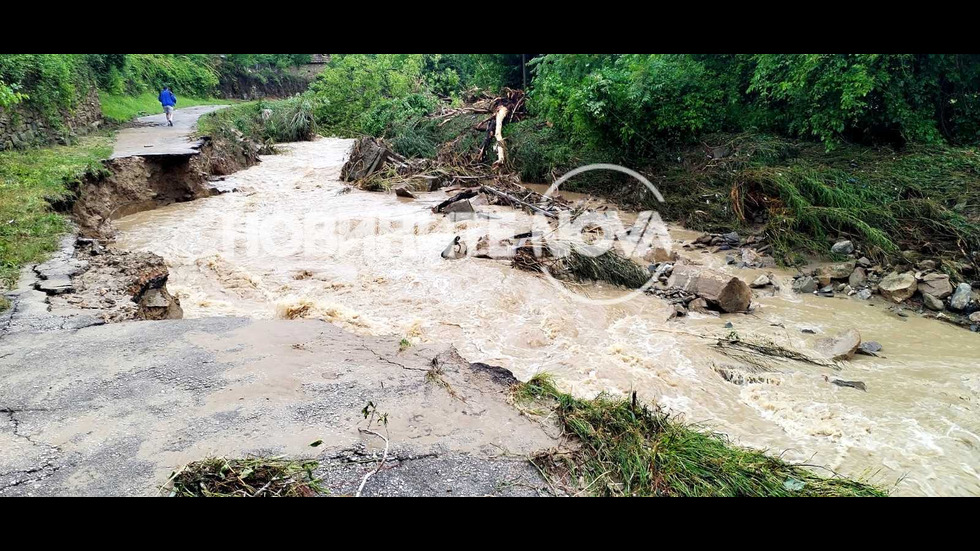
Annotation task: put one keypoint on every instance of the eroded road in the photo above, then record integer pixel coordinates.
(89, 408)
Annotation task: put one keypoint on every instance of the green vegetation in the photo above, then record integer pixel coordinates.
(9, 94)
(29, 182)
(877, 148)
(252, 477)
(123, 108)
(628, 449)
(268, 122)
(53, 83)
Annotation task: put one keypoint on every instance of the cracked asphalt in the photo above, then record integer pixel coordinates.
(112, 410)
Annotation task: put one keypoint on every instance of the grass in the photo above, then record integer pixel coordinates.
(124, 108)
(252, 477)
(267, 122)
(629, 449)
(30, 180)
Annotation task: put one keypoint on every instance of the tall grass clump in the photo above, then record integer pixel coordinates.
(629, 449)
(268, 122)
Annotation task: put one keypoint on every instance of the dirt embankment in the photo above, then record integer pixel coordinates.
(89, 278)
(133, 184)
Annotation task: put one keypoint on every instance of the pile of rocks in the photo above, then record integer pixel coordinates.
(902, 283)
(852, 278)
(748, 252)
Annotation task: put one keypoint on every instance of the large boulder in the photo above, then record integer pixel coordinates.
(760, 282)
(840, 347)
(937, 285)
(961, 297)
(805, 284)
(898, 287)
(727, 293)
(858, 277)
(842, 247)
(932, 302)
(842, 270)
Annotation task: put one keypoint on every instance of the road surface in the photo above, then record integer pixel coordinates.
(151, 136)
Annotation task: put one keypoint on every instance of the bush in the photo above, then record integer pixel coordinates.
(896, 97)
(632, 102)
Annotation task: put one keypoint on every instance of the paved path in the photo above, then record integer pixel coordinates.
(112, 410)
(151, 135)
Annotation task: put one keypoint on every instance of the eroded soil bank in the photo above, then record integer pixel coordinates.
(379, 273)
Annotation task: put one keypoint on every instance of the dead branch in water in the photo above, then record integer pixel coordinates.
(741, 348)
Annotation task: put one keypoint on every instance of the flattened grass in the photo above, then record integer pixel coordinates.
(629, 449)
(29, 181)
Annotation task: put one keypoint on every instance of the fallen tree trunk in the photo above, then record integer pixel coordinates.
(727, 293)
(517, 202)
(498, 134)
(368, 157)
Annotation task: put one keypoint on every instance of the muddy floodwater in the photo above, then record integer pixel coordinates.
(293, 241)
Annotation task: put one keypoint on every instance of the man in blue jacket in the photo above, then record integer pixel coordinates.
(169, 101)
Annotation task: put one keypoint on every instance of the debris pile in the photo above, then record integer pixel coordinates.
(118, 285)
(252, 477)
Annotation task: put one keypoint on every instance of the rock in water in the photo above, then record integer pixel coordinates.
(842, 247)
(729, 294)
(975, 317)
(870, 348)
(932, 302)
(698, 305)
(403, 191)
(898, 287)
(659, 254)
(850, 384)
(462, 206)
(805, 284)
(937, 285)
(962, 297)
(455, 250)
(760, 282)
(864, 294)
(841, 347)
(858, 277)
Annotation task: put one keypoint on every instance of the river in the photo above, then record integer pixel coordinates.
(275, 248)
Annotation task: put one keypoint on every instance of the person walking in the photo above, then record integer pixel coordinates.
(169, 101)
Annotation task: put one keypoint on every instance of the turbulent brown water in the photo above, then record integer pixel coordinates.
(271, 250)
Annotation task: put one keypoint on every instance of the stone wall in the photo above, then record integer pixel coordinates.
(21, 126)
